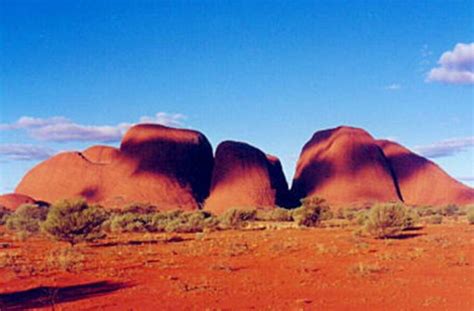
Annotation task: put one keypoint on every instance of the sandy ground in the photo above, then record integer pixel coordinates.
(288, 269)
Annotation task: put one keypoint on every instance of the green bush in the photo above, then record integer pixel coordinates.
(307, 216)
(75, 221)
(191, 222)
(470, 215)
(4, 213)
(128, 222)
(385, 220)
(26, 219)
(316, 202)
(276, 214)
(411, 218)
(236, 218)
(167, 221)
(361, 217)
(138, 208)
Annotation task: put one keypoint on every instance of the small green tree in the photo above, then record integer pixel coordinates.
(385, 220)
(26, 219)
(75, 221)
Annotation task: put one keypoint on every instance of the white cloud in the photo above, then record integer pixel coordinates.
(467, 178)
(393, 87)
(61, 129)
(24, 152)
(446, 148)
(455, 67)
(174, 119)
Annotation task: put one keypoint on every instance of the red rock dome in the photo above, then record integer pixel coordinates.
(344, 166)
(167, 167)
(13, 200)
(421, 181)
(242, 178)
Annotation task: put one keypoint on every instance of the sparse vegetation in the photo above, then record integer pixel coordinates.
(386, 220)
(236, 218)
(470, 215)
(75, 221)
(434, 220)
(450, 210)
(66, 259)
(307, 216)
(4, 213)
(364, 269)
(150, 220)
(410, 219)
(276, 214)
(26, 219)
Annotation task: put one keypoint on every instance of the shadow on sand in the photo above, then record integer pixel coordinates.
(49, 296)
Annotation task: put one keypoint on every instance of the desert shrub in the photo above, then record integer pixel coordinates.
(4, 213)
(361, 217)
(470, 215)
(316, 202)
(450, 210)
(66, 259)
(26, 219)
(434, 220)
(168, 221)
(346, 213)
(236, 218)
(307, 216)
(128, 222)
(276, 214)
(75, 221)
(411, 218)
(385, 220)
(138, 208)
(191, 222)
(425, 211)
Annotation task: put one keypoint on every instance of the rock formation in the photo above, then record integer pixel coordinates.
(243, 177)
(13, 200)
(421, 181)
(167, 167)
(344, 166)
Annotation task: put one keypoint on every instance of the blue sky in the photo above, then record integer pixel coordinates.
(271, 73)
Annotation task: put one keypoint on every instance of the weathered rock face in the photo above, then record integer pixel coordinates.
(421, 181)
(170, 168)
(242, 178)
(284, 198)
(182, 155)
(344, 166)
(13, 200)
(101, 154)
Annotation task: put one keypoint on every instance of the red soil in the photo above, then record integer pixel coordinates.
(421, 181)
(13, 200)
(289, 269)
(242, 178)
(344, 166)
(167, 167)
